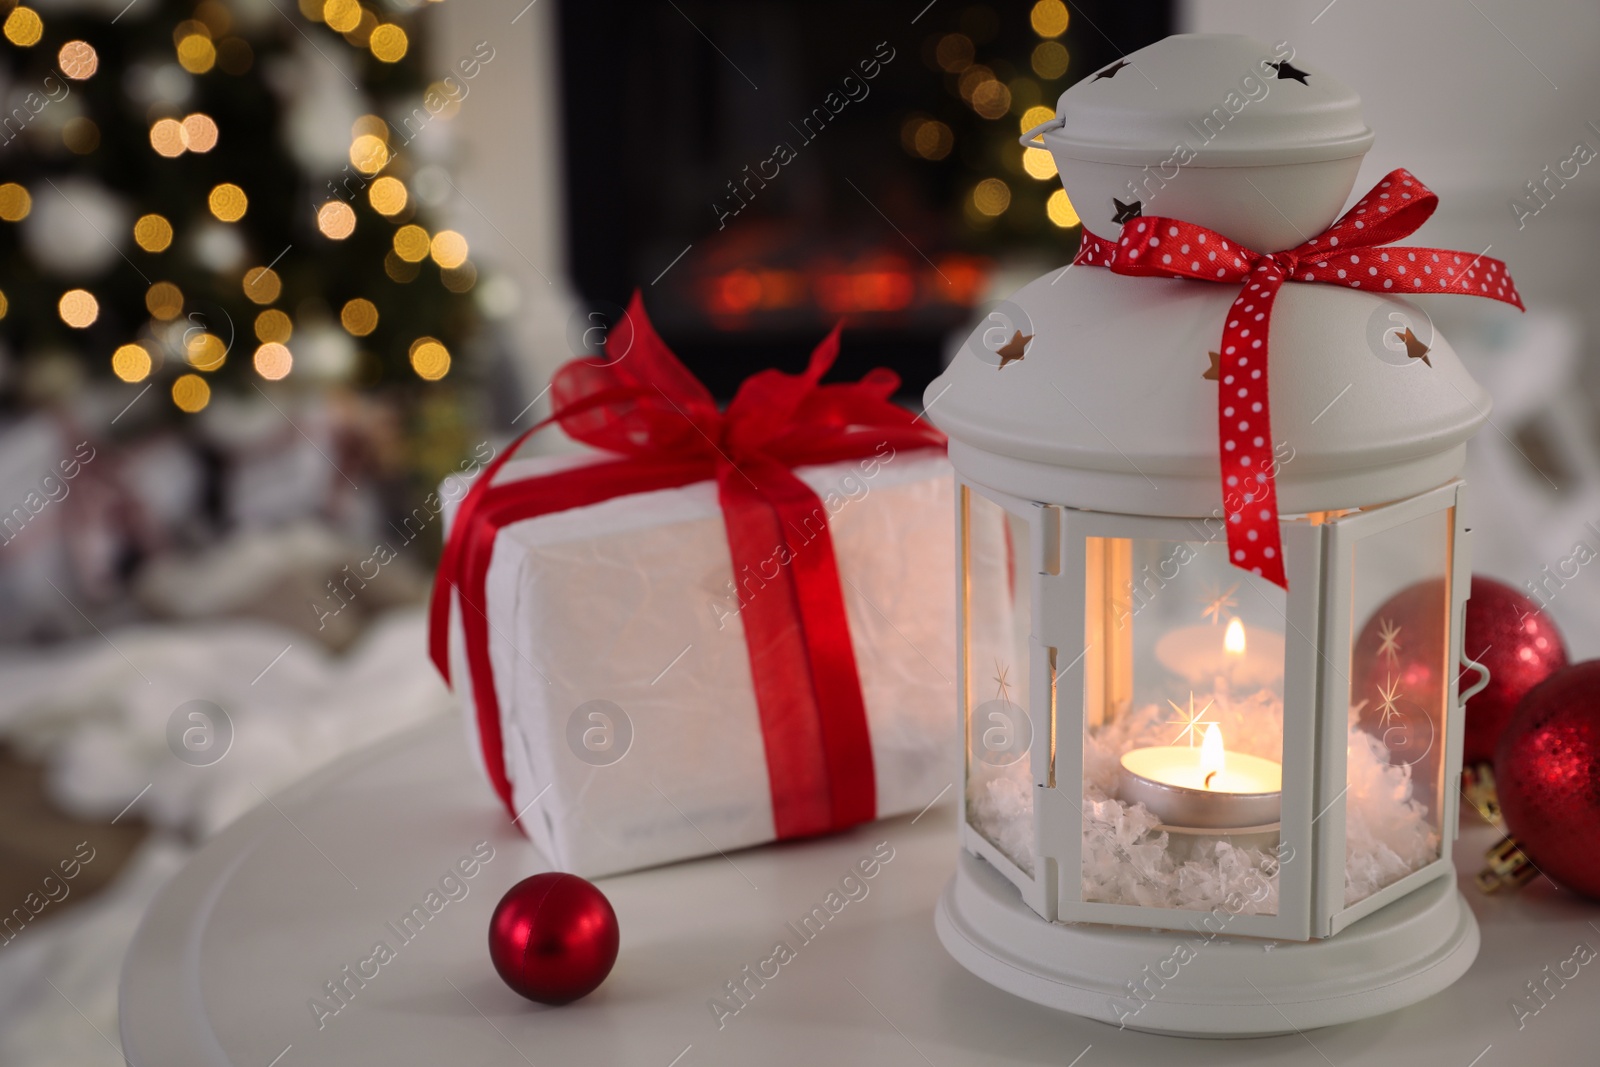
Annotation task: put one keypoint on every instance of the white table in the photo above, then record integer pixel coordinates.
(232, 951)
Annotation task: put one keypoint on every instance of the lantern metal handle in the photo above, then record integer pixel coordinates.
(1483, 678)
(1051, 123)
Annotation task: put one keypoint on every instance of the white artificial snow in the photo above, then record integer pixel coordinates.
(1126, 859)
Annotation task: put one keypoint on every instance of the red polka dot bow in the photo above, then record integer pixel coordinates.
(1354, 251)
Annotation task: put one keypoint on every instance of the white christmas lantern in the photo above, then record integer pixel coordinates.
(1211, 632)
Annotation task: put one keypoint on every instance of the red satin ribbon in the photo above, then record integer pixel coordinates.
(1347, 253)
(665, 430)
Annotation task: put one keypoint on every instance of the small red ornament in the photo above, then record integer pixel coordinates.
(553, 938)
(1398, 671)
(1547, 771)
(1399, 656)
(1509, 634)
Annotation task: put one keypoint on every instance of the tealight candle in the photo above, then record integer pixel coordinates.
(1245, 656)
(1205, 787)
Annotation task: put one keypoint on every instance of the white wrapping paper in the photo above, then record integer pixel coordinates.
(631, 601)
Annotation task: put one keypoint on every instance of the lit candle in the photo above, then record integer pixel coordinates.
(1205, 787)
(1245, 656)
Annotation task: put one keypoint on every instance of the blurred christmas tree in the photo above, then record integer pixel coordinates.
(228, 199)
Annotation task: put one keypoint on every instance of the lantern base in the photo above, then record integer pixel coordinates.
(1187, 983)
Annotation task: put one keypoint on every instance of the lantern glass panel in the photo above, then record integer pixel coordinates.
(1183, 727)
(996, 600)
(1400, 695)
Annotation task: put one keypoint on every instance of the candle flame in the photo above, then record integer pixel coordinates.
(1213, 759)
(1233, 639)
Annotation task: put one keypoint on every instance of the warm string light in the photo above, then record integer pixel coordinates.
(131, 363)
(78, 308)
(273, 361)
(153, 233)
(15, 202)
(430, 359)
(24, 27)
(191, 393)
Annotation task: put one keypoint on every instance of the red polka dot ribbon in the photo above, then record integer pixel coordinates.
(1354, 251)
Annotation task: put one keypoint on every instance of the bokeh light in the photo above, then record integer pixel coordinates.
(359, 317)
(24, 27)
(262, 285)
(368, 153)
(336, 219)
(459, 279)
(78, 60)
(205, 350)
(166, 137)
(164, 301)
(954, 52)
(1060, 209)
(926, 138)
(991, 99)
(370, 124)
(228, 202)
(991, 196)
(448, 248)
(388, 43)
(1049, 18)
(1050, 59)
(153, 233)
(196, 53)
(199, 133)
(1038, 163)
(430, 359)
(388, 196)
(15, 203)
(411, 243)
(341, 15)
(5, 305)
(191, 393)
(400, 270)
(273, 361)
(78, 308)
(274, 325)
(131, 363)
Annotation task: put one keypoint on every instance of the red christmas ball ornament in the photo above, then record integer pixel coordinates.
(1397, 675)
(1509, 634)
(553, 938)
(1547, 771)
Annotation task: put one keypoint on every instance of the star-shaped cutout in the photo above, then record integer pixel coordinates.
(1111, 71)
(1001, 681)
(1219, 600)
(1125, 212)
(1190, 720)
(1415, 349)
(1214, 372)
(1289, 72)
(1389, 635)
(1013, 350)
(1389, 691)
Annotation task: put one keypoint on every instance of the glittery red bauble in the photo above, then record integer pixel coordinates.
(1508, 634)
(553, 938)
(1547, 773)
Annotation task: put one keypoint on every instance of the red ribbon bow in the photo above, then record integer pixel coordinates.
(666, 431)
(1347, 253)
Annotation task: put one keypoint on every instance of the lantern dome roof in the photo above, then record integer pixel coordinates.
(1232, 99)
(1110, 408)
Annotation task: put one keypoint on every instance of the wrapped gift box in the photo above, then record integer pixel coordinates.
(631, 733)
